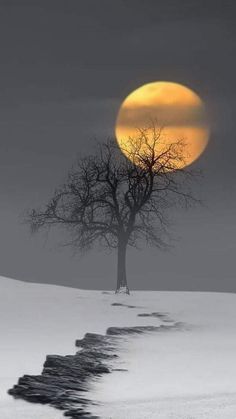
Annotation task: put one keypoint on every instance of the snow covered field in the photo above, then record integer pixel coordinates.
(186, 374)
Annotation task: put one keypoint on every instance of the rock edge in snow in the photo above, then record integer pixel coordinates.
(64, 380)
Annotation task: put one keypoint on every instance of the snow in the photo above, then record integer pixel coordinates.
(186, 374)
(39, 319)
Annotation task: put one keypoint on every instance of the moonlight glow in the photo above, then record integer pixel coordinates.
(173, 107)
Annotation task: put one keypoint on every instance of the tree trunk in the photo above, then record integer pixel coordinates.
(122, 285)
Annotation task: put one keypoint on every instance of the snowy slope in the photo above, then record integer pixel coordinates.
(36, 320)
(187, 374)
(180, 374)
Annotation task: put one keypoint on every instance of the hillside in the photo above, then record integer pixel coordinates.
(183, 374)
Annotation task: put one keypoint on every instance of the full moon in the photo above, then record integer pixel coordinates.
(175, 108)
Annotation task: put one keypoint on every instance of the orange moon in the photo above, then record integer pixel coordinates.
(175, 108)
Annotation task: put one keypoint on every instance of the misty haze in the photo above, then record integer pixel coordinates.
(117, 266)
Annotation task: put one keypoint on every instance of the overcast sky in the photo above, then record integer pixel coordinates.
(65, 67)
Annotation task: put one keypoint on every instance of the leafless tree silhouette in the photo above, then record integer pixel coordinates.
(116, 201)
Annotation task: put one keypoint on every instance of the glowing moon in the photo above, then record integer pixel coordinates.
(174, 107)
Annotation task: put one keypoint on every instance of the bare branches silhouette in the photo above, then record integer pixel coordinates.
(117, 197)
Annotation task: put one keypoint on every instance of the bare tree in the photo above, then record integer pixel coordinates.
(115, 201)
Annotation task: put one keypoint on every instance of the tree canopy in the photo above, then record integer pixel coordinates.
(114, 201)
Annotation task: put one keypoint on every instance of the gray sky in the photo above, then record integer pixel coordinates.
(65, 67)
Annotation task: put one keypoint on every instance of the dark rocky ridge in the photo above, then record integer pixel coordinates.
(64, 380)
(162, 316)
(123, 305)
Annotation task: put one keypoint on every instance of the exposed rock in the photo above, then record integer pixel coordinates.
(64, 379)
(154, 314)
(123, 305)
(115, 331)
(95, 342)
(162, 316)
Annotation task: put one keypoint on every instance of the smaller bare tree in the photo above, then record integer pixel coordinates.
(115, 201)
